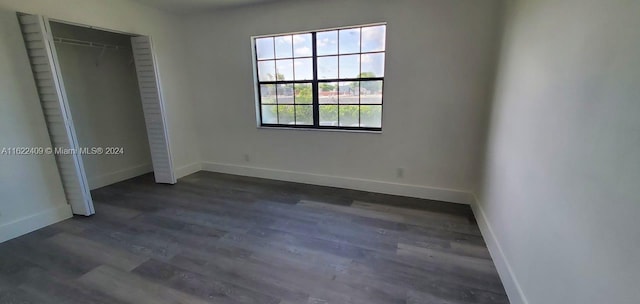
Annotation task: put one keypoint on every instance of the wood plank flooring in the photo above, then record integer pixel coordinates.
(216, 238)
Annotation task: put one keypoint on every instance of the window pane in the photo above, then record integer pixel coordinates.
(304, 115)
(286, 114)
(328, 67)
(349, 41)
(371, 92)
(303, 93)
(264, 48)
(302, 45)
(348, 116)
(266, 70)
(284, 47)
(372, 65)
(349, 66)
(327, 43)
(328, 115)
(373, 38)
(303, 69)
(348, 92)
(371, 116)
(328, 93)
(267, 93)
(285, 93)
(269, 114)
(284, 68)
(289, 60)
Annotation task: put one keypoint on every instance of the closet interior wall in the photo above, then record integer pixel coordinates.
(103, 95)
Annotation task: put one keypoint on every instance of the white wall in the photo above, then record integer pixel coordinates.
(30, 185)
(438, 78)
(560, 188)
(30, 188)
(103, 95)
(167, 33)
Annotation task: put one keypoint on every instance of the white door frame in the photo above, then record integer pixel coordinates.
(154, 110)
(164, 166)
(80, 180)
(42, 56)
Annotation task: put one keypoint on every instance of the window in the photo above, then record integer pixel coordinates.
(329, 79)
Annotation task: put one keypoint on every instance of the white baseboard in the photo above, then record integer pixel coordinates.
(508, 278)
(185, 170)
(447, 195)
(33, 222)
(100, 181)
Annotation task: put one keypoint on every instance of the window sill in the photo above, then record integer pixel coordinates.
(322, 130)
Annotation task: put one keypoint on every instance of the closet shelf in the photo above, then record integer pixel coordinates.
(89, 43)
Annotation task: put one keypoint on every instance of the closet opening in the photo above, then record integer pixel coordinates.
(101, 97)
(101, 83)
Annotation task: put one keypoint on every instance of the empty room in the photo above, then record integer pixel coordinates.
(316, 152)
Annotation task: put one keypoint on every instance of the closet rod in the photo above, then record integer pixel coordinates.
(88, 43)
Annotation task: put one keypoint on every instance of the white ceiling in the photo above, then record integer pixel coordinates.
(186, 6)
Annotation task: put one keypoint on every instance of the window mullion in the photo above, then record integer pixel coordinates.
(314, 83)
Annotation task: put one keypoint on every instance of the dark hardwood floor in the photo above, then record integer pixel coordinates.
(216, 238)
